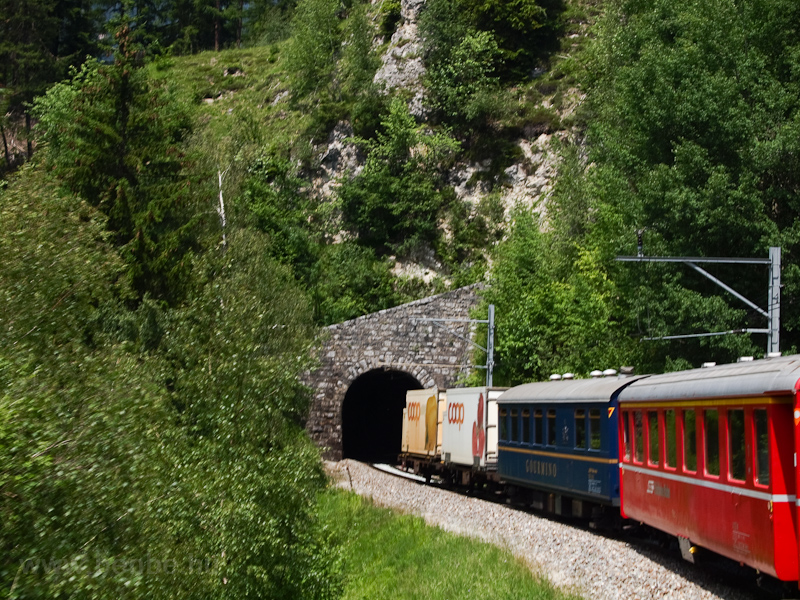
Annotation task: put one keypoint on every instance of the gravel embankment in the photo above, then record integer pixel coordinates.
(591, 564)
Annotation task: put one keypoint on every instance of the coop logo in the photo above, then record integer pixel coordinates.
(414, 411)
(455, 414)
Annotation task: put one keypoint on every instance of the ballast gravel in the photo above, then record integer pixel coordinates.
(590, 564)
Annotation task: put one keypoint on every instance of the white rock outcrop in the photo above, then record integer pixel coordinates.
(340, 158)
(527, 183)
(401, 64)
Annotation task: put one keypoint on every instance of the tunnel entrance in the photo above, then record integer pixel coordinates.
(372, 415)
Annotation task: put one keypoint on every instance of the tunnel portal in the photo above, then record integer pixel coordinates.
(368, 363)
(372, 415)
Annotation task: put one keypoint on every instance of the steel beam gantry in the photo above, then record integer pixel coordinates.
(773, 312)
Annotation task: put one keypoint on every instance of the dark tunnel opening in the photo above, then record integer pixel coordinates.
(372, 415)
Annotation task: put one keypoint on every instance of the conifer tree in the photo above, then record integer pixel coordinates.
(39, 40)
(114, 140)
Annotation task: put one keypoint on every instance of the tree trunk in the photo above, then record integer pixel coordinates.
(221, 209)
(5, 146)
(239, 25)
(28, 134)
(216, 28)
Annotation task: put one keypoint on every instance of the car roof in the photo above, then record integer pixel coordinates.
(771, 376)
(567, 391)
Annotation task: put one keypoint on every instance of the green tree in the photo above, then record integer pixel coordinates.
(80, 418)
(155, 451)
(39, 40)
(513, 26)
(249, 474)
(473, 230)
(394, 203)
(464, 87)
(551, 319)
(349, 281)
(691, 106)
(359, 61)
(314, 46)
(115, 140)
(272, 193)
(514, 23)
(268, 22)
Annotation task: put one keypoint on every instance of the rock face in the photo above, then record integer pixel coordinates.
(528, 183)
(340, 158)
(397, 341)
(402, 65)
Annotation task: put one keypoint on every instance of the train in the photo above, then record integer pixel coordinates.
(708, 456)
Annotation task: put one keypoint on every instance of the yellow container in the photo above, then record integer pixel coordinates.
(422, 421)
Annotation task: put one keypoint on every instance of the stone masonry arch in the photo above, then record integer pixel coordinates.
(374, 357)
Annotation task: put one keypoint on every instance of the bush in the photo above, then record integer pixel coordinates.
(350, 281)
(158, 451)
(393, 205)
(314, 46)
(389, 16)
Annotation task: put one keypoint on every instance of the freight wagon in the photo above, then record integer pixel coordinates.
(457, 437)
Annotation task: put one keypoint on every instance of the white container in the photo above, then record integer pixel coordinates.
(469, 426)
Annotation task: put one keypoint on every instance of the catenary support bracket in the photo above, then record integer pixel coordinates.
(773, 312)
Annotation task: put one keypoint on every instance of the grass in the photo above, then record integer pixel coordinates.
(397, 557)
(235, 97)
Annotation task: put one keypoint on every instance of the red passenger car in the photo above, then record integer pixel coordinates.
(709, 456)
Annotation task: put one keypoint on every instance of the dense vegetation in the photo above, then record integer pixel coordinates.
(166, 256)
(691, 128)
(151, 416)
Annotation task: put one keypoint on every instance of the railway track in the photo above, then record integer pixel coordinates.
(633, 563)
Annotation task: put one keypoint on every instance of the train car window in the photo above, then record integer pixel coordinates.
(551, 427)
(762, 445)
(503, 422)
(670, 439)
(538, 426)
(626, 434)
(526, 426)
(711, 437)
(652, 436)
(736, 468)
(594, 429)
(580, 428)
(514, 425)
(689, 441)
(638, 436)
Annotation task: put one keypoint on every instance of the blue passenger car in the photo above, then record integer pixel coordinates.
(559, 439)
